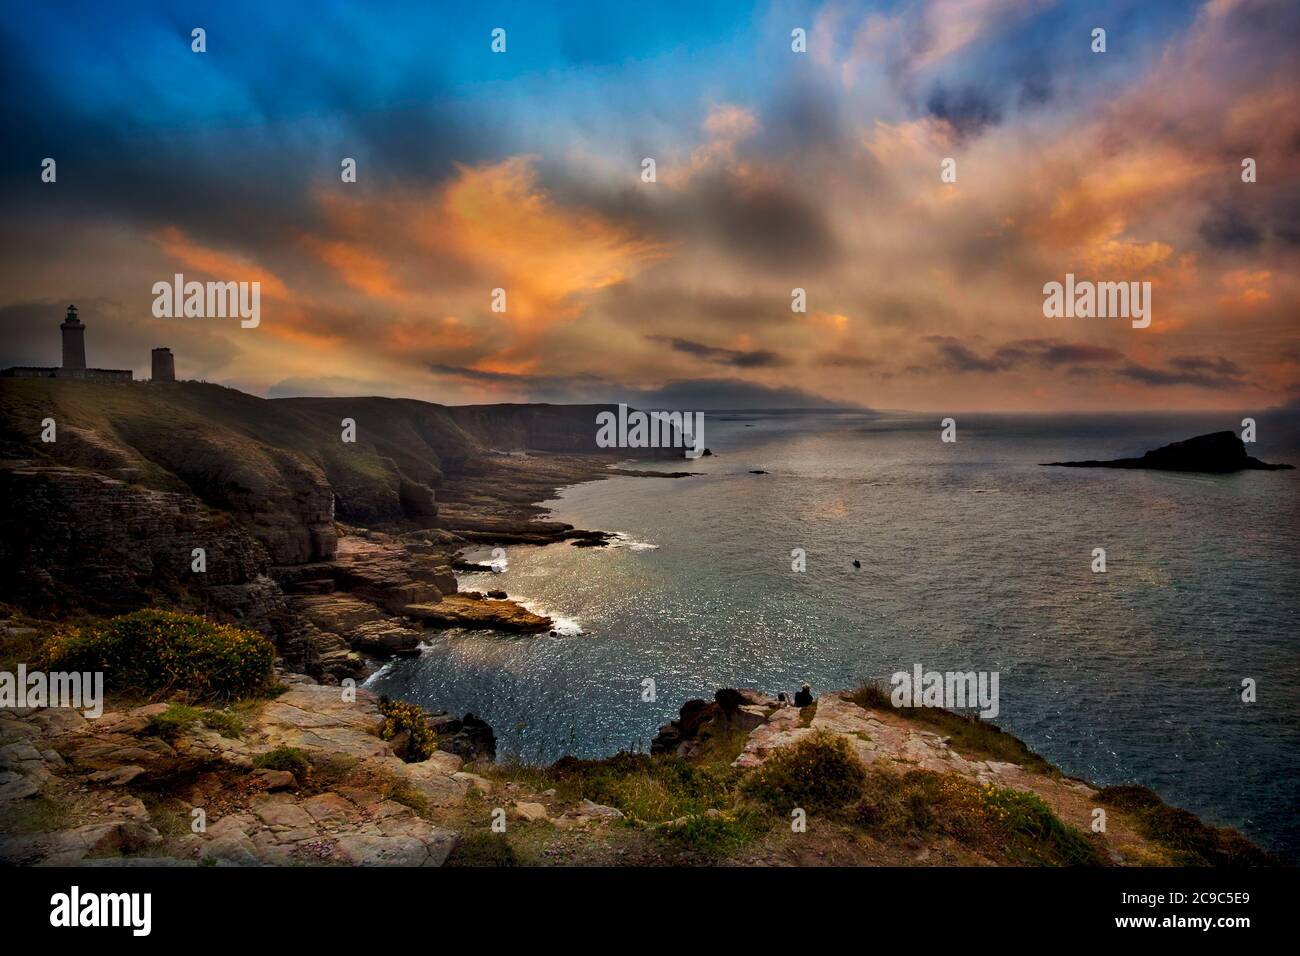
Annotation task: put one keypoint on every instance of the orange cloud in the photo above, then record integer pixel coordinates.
(1245, 288)
(545, 257)
(217, 265)
(356, 267)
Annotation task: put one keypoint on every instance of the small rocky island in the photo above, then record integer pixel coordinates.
(1216, 453)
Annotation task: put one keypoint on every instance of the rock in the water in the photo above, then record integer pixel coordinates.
(460, 610)
(1217, 453)
(468, 737)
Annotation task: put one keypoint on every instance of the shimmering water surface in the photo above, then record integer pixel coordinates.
(973, 558)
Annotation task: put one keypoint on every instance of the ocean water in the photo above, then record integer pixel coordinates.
(973, 558)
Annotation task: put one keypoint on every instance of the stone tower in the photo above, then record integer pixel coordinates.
(164, 365)
(74, 340)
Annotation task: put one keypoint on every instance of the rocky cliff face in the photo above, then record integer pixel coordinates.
(106, 517)
(75, 540)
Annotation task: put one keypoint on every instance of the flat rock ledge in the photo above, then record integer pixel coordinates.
(100, 766)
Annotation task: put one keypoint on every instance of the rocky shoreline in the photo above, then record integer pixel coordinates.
(342, 558)
(340, 555)
(307, 778)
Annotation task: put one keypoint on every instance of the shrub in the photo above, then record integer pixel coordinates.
(173, 721)
(178, 718)
(401, 718)
(1000, 823)
(155, 652)
(1191, 842)
(648, 789)
(719, 834)
(483, 849)
(224, 723)
(820, 772)
(296, 761)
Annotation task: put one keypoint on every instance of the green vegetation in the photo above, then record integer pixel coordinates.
(153, 430)
(968, 735)
(1005, 825)
(22, 638)
(818, 773)
(160, 652)
(718, 834)
(694, 806)
(296, 761)
(408, 722)
(481, 848)
(1190, 842)
(36, 814)
(178, 718)
(648, 789)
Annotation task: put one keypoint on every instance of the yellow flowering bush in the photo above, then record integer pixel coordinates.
(401, 717)
(159, 652)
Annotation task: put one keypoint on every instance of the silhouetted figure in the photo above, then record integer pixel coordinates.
(804, 696)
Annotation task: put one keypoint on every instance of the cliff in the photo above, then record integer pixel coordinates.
(309, 778)
(332, 548)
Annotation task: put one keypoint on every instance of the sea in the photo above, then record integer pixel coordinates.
(1178, 667)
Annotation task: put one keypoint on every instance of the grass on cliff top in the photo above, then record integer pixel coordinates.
(192, 435)
(1189, 841)
(1004, 825)
(159, 653)
(969, 736)
(694, 807)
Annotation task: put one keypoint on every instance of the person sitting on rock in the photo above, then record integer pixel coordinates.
(804, 697)
(782, 700)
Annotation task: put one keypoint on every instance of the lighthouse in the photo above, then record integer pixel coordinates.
(74, 359)
(74, 341)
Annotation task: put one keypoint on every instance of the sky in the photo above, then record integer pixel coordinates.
(775, 170)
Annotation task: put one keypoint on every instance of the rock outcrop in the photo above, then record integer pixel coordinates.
(1216, 453)
(107, 518)
(479, 613)
(698, 720)
(252, 817)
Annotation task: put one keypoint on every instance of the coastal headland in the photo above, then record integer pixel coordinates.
(249, 528)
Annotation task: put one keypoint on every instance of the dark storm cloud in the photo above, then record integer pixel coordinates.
(1049, 353)
(637, 306)
(954, 356)
(758, 358)
(958, 358)
(729, 394)
(1080, 360)
(765, 223)
(1286, 221)
(968, 110)
(757, 221)
(226, 145)
(683, 394)
(1230, 230)
(1189, 370)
